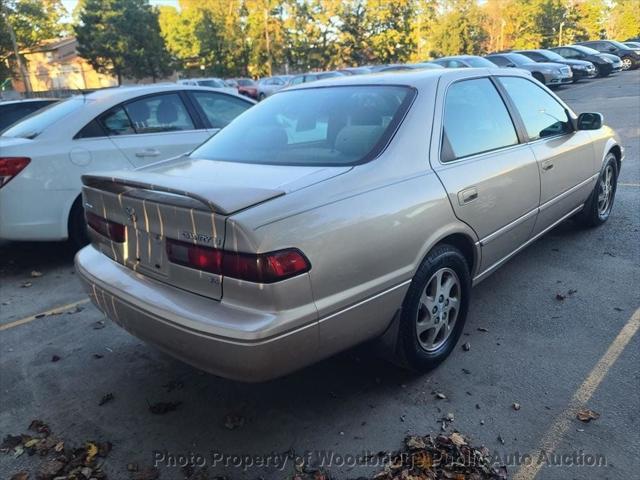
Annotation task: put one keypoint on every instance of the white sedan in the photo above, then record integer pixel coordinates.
(43, 156)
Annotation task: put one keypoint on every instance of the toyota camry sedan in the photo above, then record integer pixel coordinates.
(364, 207)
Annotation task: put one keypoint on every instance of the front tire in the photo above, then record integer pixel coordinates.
(539, 77)
(600, 203)
(78, 235)
(434, 310)
(627, 63)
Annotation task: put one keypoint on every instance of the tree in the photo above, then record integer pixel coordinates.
(624, 22)
(459, 29)
(30, 22)
(122, 38)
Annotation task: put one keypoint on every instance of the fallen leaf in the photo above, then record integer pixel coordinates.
(414, 442)
(457, 439)
(500, 439)
(466, 347)
(35, 274)
(132, 467)
(586, 415)
(55, 358)
(482, 329)
(161, 408)
(25, 284)
(97, 356)
(20, 476)
(466, 372)
(617, 309)
(92, 451)
(59, 447)
(105, 399)
(99, 325)
(233, 421)
(560, 297)
(516, 406)
(40, 427)
(440, 396)
(10, 442)
(49, 469)
(572, 291)
(31, 443)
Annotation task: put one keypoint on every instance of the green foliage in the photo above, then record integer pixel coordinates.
(122, 37)
(33, 21)
(624, 22)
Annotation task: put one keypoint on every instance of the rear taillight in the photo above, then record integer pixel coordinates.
(260, 268)
(115, 232)
(10, 167)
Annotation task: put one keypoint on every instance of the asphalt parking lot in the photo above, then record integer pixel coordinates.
(552, 331)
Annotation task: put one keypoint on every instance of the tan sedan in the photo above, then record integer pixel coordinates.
(339, 212)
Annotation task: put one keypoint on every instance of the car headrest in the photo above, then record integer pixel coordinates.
(358, 140)
(167, 112)
(139, 113)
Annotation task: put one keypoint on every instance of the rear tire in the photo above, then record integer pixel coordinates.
(78, 235)
(434, 310)
(261, 97)
(598, 207)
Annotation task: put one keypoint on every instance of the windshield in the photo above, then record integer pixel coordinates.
(327, 126)
(211, 83)
(553, 56)
(619, 45)
(587, 50)
(480, 62)
(519, 59)
(33, 125)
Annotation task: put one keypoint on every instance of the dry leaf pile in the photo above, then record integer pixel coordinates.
(442, 457)
(60, 460)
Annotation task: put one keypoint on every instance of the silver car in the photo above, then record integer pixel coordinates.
(547, 73)
(359, 208)
(270, 85)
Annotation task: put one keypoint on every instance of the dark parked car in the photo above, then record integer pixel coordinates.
(547, 73)
(463, 61)
(633, 45)
(604, 65)
(246, 87)
(13, 110)
(630, 57)
(580, 68)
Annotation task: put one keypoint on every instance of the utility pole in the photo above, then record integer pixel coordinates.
(560, 34)
(14, 43)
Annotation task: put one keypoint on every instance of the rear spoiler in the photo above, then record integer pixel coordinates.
(218, 199)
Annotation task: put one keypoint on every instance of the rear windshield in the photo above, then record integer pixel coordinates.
(326, 126)
(33, 125)
(211, 83)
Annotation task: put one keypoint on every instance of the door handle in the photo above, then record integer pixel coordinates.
(147, 153)
(467, 196)
(547, 165)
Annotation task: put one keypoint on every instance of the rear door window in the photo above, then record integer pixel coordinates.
(542, 115)
(476, 120)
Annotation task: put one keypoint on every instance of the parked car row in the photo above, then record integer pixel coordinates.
(551, 67)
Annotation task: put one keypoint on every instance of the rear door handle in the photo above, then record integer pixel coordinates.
(467, 195)
(547, 165)
(150, 152)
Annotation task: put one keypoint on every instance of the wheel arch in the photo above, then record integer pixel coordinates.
(461, 237)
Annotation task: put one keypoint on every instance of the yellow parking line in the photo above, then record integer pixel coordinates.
(53, 311)
(561, 424)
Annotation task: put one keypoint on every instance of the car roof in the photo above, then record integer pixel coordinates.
(417, 78)
(119, 94)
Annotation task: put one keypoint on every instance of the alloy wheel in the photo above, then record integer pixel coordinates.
(626, 63)
(438, 309)
(605, 191)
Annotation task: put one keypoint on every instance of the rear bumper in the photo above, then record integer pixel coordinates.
(221, 339)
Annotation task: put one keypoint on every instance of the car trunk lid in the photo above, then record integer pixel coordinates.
(188, 201)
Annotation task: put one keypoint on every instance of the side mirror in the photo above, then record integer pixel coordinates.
(590, 121)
